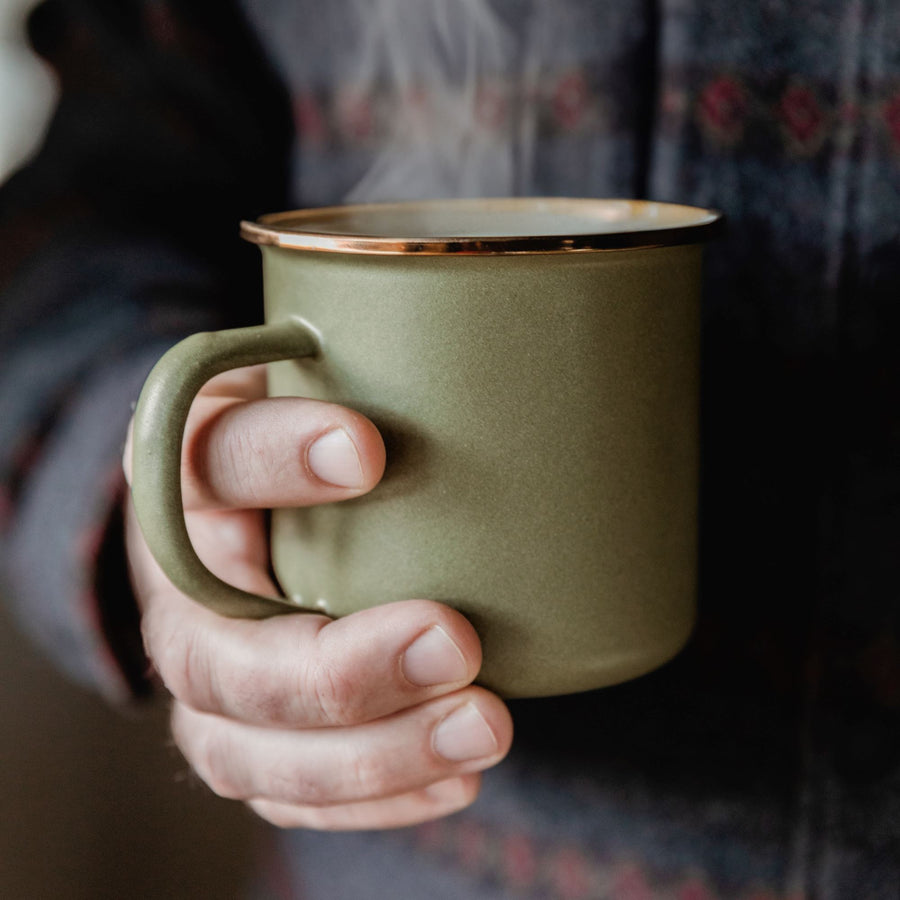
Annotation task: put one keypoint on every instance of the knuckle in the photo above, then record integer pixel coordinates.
(259, 696)
(293, 782)
(213, 761)
(162, 645)
(207, 751)
(337, 698)
(349, 774)
(249, 686)
(365, 776)
(184, 663)
(239, 460)
(195, 671)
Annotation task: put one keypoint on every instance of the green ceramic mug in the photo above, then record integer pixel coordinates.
(533, 367)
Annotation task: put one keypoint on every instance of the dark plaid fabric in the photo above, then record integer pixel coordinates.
(765, 761)
(120, 238)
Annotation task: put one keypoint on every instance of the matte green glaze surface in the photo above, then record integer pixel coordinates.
(540, 416)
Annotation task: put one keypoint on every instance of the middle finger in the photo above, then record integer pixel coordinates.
(463, 732)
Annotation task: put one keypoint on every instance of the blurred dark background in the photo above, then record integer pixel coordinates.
(95, 804)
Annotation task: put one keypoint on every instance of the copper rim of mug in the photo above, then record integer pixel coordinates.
(627, 225)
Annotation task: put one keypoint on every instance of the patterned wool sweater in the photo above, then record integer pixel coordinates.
(765, 761)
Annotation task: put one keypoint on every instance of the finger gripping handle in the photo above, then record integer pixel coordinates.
(159, 423)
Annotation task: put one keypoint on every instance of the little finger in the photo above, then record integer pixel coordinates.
(439, 799)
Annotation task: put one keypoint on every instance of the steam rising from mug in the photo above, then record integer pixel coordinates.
(447, 67)
(415, 98)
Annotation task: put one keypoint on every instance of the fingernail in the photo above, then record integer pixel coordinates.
(464, 735)
(433, 658)
(333, 458)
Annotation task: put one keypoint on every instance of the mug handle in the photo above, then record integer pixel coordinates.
(159, 423)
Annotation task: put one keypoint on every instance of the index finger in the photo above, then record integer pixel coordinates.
(303, 670)
(243, 451)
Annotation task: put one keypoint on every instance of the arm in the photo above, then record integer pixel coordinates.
(118, 239)
(125, 239)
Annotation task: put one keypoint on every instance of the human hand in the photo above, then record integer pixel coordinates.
(364, 722)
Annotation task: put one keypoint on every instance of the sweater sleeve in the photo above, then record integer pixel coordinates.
(119, 238)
